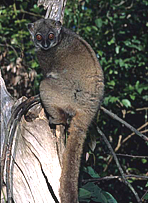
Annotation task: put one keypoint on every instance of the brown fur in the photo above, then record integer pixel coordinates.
(72, 88)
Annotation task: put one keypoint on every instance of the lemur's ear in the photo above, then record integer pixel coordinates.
(58, 25)
(30, 27)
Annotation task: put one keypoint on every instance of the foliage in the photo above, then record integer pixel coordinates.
(118, 32)
(91, 192)
(16, 44)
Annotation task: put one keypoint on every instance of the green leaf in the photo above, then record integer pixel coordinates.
(112, 41)
(88, 28)
(34, 64)
(117, 49)
(132, 97)
(98, 22)
(126, 103)
(109, 197)
(99, 198)
(121, 62)
(144, 161)
(112, 83)
(100, 53)
(95, 28)
(140, 87)
(113, 99)
(84, 194)
(91, 172)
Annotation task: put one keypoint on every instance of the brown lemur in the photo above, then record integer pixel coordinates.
(72, 89)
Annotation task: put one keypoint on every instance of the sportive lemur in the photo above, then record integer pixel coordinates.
(72, 90)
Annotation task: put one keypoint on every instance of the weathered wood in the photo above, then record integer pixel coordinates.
(6, 103)
(35, 165)
(55, 9)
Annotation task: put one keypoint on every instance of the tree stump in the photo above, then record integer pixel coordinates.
(36, 154)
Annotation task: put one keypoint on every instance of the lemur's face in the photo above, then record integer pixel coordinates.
(45, 33)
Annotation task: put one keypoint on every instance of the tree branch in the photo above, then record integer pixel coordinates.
(131, 176)
(122, 142)
(114, 116)
(118, 165)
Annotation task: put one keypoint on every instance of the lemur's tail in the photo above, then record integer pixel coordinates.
(72, 158)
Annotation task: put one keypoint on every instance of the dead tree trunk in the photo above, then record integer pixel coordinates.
(36, 152)
(35, 165)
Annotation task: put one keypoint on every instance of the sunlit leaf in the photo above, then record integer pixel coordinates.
(126, 103)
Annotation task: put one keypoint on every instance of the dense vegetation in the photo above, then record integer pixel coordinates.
(118, 32)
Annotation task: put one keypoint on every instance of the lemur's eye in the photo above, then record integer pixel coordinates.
(39, 37)
(51, 36)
